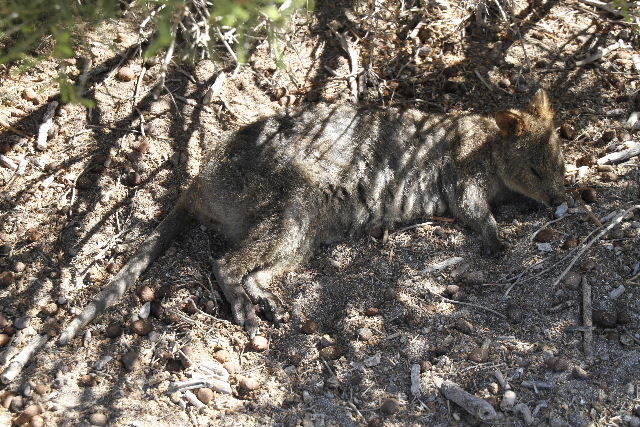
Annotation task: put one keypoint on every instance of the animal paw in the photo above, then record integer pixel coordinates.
(269, 304)
(244, 313)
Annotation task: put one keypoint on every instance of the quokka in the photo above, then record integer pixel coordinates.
(286, 184)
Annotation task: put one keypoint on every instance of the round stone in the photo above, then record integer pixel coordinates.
(259, 343)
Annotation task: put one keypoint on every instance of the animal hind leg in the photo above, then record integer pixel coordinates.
(268, 250)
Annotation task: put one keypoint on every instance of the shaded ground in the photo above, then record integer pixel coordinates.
(111, 185)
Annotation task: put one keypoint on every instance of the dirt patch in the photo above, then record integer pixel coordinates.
(78, 209)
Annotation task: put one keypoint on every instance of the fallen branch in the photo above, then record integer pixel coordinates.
(45, 127)
(21, 360)
(354, 54)
(602, 5)
(615, 221)
(468, 304)
(14, 130)
(415, 380)
(602, 51)
(587, 318)
(474, 405)
(212, 383)
(7, 162)
(620, 156)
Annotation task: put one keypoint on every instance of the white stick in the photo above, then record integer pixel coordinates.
(7, 162)
(21, 360)
(600, 53)
(193, 399)
(602, 5)
(619, 156)
(615, 221)
(47, 124)
(415, 380)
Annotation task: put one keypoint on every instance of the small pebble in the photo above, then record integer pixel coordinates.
(142, 327)
(508, 400)
(248, 383)
(19, 266)
(146, 294)
(5, 249)
(22, 322)
(371, 311)
(205, 395)
(562, 365)
(327, 340)
(588, 265)
(133, 179)
(232, 366)
(425, 366)
(589, 195)
(41, 389)
(479, 355)
(7, 278)
(222, 356)
(588, 160)
(130, 360)
(464, 326)
(30, 95)
(567, 131)
(259, 343)
(451, 290)
(186, 356)
(4, 322)
(579, 373)
(6, 400)
(125, 74)
(50, 309)
(309, 327)
(545, 235)
(605, 168)
(572, 280)
(33, 234)
(190, 307)
(390, 406)
(4, 339)
(474, 278)
(609, 176)
(608, 135)
(17, 403)
(113, 330)
(331, 352)
(36, 421)
(87, 381)
(570, 243)
(98, 419)
(142, 147)
(365, 334)
(605, 319)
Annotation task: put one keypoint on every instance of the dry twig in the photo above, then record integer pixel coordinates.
(615, 221)
(587, 318)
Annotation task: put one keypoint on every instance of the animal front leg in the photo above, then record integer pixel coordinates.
(472, 208)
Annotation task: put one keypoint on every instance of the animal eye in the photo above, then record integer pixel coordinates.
(535, 172)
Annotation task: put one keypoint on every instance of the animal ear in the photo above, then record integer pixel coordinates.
(510, 122)
(540, 105)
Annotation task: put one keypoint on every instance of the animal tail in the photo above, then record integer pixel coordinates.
(151, 248)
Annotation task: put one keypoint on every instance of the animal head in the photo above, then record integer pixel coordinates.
(527, 153)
